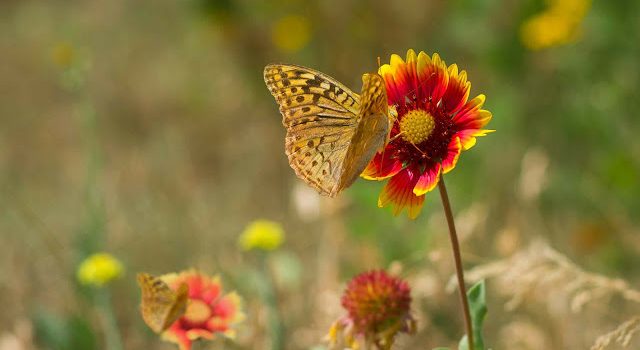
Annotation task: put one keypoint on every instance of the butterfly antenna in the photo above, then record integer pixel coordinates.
(396, 136)
(391, 139)
(418, 149)
(420, 85)
(378, 62)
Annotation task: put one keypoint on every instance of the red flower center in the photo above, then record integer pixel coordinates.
(376, 301)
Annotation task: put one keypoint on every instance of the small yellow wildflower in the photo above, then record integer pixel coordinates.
(99, 269)
(262, 234)
(63, 55)
(558, 25)
(291, 33)
(547, 30)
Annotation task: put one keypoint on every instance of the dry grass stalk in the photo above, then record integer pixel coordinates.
(621, 335)
(540, 270)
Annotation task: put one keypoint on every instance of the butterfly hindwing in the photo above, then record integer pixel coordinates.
(161, 306)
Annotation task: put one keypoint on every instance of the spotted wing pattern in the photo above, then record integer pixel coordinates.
(371, 132)
(161, 306)
(321, 117)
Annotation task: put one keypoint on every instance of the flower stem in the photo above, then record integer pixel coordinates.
(109, 323)
(276, 326)
(456, 256)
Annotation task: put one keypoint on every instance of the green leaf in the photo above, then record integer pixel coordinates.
(80, 334)
(478, 307)
(50, 330)
(63, 333)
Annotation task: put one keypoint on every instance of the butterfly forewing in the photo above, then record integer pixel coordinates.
(161, 306)
(320, 115)
(331, 137)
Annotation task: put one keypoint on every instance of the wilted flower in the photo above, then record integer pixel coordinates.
(378, 308)
(557, 25)
(433, 124)
(261, 234)
(99, 269)
(291, 33)
(209, 311)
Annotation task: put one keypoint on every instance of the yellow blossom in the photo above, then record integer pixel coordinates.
(262, 234)
(291, 33)
(99, 269)
(63, 55)
(558, 25)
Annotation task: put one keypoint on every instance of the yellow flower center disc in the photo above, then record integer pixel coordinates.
(416, 126)
(197, 311)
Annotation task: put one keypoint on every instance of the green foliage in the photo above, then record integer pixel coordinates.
(59, 333)
(478, 307)
(287, 270)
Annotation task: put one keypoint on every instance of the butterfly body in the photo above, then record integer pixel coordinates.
(332, 132)
(161, 306)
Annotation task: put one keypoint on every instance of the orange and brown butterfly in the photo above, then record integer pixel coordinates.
(332, 132)
(161, 306)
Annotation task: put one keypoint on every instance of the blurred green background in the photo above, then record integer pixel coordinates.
(144, 129)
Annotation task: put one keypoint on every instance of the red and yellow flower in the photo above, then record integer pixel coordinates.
(378, 308)
(434, 122)
(209, 311)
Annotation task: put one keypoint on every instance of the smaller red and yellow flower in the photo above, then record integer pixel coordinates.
(434, 122)
(378, 308)
(209, 311)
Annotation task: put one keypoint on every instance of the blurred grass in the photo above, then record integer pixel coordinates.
(159, 142)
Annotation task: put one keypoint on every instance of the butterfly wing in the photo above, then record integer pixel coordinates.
(371, 131)
(178, 307)
(161, 306)
(320, 115)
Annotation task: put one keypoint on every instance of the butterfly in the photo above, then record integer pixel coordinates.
(161, 306)
(332, 132)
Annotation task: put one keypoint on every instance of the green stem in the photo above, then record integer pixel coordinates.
(455, 245)
(276, 327)
(109, 323)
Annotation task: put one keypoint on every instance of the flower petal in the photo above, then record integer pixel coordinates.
(228, 308)
(405, 76)
(199, 333)
(400, 78)
(211, 289)
(399, 193)
(470, 120)
(468, 137)
(175, 334)
(453, 153)
(457, 90)
(382, 166)
(393, 95)
(432, 76)
(428, 180)
(471, 116)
